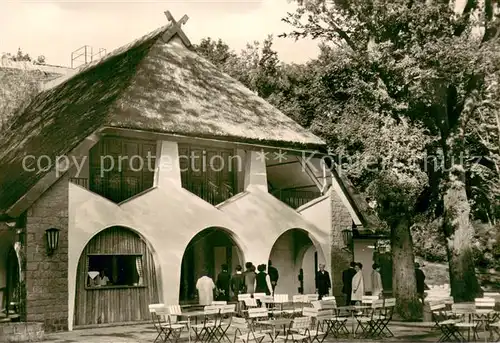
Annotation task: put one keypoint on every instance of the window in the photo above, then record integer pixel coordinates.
(115, 270)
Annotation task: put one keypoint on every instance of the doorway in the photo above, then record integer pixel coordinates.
(207, 251)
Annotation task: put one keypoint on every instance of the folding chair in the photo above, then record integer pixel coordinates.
(442, 320)
(220, 303)
(465, 314)
(494, 332)
(381, 317)
(267, 301)
(257, 314)
(308, 298)
(207, 328)
(241, 302)
(249, 304)
(371, 322)
(171, 330)
(485, 312)
(388, 312)
(298, 302)
(244, 331)
(368, 299)
(316, 324)
(279, 302)
(226, 317)
(299, 324)
(175, 311)
(157, 322)
(258, 296)
(337, 324)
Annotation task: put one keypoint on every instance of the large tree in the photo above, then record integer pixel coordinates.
(431, 66)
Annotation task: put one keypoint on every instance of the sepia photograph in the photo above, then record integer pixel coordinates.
(251, 171)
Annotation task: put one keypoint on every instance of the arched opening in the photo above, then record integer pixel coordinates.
(209, 249)
(9, 281)
(296, 258)
(9, 275)
(116, 279)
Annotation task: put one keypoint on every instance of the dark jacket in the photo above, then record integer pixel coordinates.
(420, 280)
(273, 274)
(238, 284)
(323, 283)
(347, 276)
(261, 284)
(223, 283)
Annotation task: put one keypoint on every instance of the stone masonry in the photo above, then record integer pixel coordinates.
(47, 276)
(341, 220)
(21, 332)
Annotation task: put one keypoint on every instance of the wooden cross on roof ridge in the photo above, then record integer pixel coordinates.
(176, 28)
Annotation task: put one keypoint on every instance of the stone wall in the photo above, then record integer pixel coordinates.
(21, 332)
(47, 276)
(341, 220)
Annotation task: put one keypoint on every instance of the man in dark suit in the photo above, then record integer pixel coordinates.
(238, 282)
(273, 274)
(347, 276)
(420, 278)
(223, 283)
(323, 282)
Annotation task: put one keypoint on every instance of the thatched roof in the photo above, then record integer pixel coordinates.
(20, 82)
(148, 85)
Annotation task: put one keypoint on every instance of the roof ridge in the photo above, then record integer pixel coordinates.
(77, 71)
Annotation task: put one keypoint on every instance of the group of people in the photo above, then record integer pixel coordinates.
(354, 285)
(256, 280)
(227, 287)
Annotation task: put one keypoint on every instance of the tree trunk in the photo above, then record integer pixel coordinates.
(408, 306)
(459, 234)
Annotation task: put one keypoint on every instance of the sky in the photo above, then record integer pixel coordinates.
(57, 28)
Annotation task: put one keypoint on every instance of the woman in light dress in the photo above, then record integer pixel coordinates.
(358, 285)
(377, 288)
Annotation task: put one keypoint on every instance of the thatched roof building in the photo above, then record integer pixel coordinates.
(155, 84)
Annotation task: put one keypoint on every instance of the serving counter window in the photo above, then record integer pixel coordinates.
(105, 271)
(116, 279)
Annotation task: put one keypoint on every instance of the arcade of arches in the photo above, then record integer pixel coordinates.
(293, 254)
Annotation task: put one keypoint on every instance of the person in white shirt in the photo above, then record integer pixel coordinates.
(358, 285)
(102, 279)
(205, 286)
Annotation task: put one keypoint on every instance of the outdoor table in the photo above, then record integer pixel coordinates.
(476, 315)
(274, 323)
(190, 315)
(353, 309)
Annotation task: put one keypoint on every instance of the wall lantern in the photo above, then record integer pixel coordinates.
(52, 236)
(347, 237)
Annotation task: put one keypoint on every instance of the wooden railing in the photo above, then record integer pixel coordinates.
(296, 198)
(80, 181)
(210, 192)
(117, 190)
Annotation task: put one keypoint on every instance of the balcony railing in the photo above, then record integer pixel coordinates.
(80, 181)
(115, 189)
(296, 198)
(210, 192)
